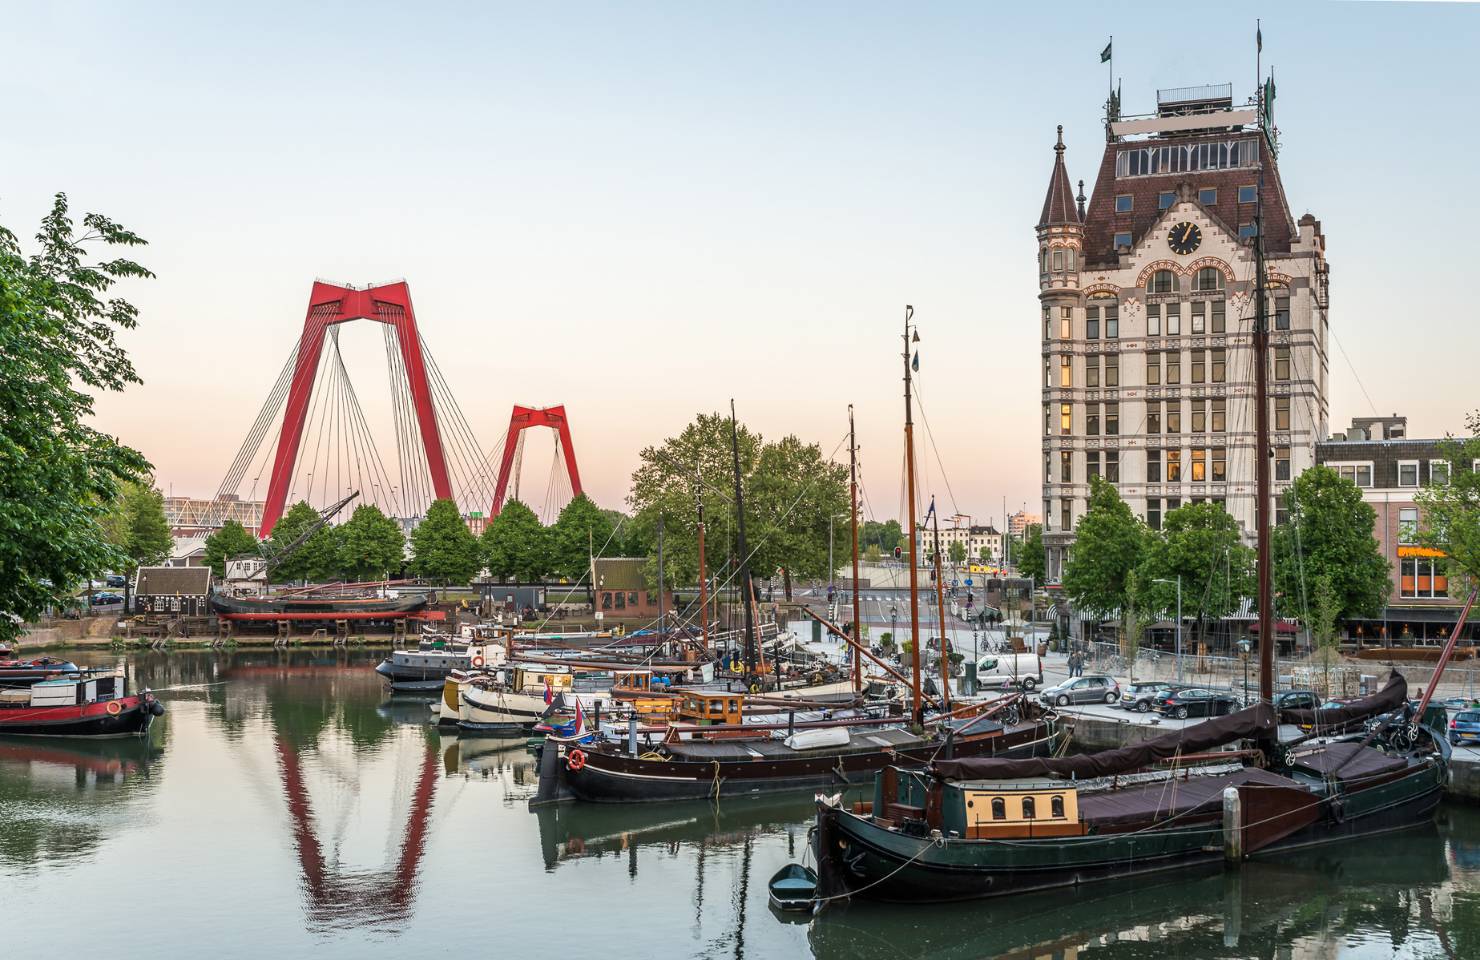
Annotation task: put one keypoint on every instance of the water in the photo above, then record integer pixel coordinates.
(286, 806)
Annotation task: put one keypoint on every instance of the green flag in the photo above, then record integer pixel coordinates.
(1269, 100)
(1105, 53)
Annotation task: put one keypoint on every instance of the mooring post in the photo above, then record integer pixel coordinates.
(1233, 834)
(632, 735)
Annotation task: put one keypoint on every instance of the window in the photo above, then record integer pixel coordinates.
(1247, 231)
(1066, 320)
(1282, 363)
(1282, 463)
(1153, 416)
(1047, 325)
(1047, 416)
(1058, 261)
(1092, 464)
(1219, 324)
(1199, 466)
(1066, 372)
(1438, 472)
(1092, 419)
(1174, 466)
(1219, 416)
(1173, 503)
(1065, 517)
(1153, 466)
(1363, 476)
(1112, 466)
(1092, 371)
(999, 808)
(1047, 372)
(1165, 199)
(1122, 241)
(1199, 319)
(1153, 369)
(621, 601)
(1029, 811)
(1248, 194)
(1208, 278)
(1042, 259)
(1066, 466)
(1220, 362)
(1407, 473)
(1153, 320)
(1421, 577)
(1162, 281)
(1174, 416)
(1056, 808)
(1408, 525)
(1124, 203)
(1220, 464)
(1069, 258)
(606, 601)
(1282, 413)
(1282, 313)
(1092, 322)
(1199, 416)
(1112, 419)
(1281, 512)
(1112, 369)
(1066, 418)
(1199, 367)
(1112, 321)
(1174, 367)
(1145, 161)
(1153, 514)
(1207, 196)
(1174, 319)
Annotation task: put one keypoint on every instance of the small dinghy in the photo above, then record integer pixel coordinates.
(793, 887)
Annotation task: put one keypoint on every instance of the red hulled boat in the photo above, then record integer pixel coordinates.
(86, 705)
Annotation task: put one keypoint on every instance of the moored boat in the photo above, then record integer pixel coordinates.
(86, 705)
(21, 673)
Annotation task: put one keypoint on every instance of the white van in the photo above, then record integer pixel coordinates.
(1002, 670)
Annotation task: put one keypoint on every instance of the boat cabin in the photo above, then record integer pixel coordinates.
(705, 707)
(1022, 809)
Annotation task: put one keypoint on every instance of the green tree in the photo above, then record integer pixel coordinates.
(442, 546)
(231, 541)
(1451, 509)
(516, 545)
(1134, 618)
(957, 552)
(1201, 544)
(137, 527)
(886, 535)
(871, 554)
(1325, 610)
(58, 476)
(1329, 535)
(370, 544)
(796, 498)
(1109, 542)
(985, 554)
(304, 561)
(581, 528)
(1031, 559)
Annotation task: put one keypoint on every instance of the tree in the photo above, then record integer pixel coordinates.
(956, 552)
(231, 541)
(796, 498)
(580, 529)
(1134, 620)
(442, 546)
(1325, 610)
(871, 554)
(310, 560)
(138, 528)
(370, 544)
(1109, 542)
(1031, 561)
(886, 536)
(1451, 510)
(516, 545)
(1329, 535)
(985, 554)
(1201, 544)
(59, 476)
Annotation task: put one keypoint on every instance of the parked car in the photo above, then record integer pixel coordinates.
(1196, 702)
(117, 580)
(1142, 696)
(1457, 703)
(1092, 689)
(1297, 700)
(1465, 727)
(102, 598)
(1004, 670)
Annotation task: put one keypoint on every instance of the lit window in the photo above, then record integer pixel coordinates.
(1124, 203)
(1162, 281)
(1066, 320)
(1122, 241)
(1066, 372)
(1199, 466)
(1066, 418)
(1165, 199)
(1408, 473)
(1174, 466)
(1207, 196)
(1247, 194)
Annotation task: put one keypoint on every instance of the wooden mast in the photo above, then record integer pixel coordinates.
(917, 704)
(703, 573)
(853, 503)
(940, 607)
(1262, 451)
(747, 592)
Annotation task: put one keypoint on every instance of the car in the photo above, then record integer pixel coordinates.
(1092, 689)
(1297, 700)
(1457, 703)
(102, 598)
(117, 580)
(1465, 727)
(1196, 702)
(1141, 696)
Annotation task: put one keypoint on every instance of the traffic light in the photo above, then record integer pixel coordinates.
(898, 553)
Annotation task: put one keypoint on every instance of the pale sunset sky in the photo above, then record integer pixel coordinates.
(642, 210)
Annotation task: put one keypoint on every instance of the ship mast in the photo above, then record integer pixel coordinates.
(853, 504)
(918, 703)
(1262, 451)
(746, 589)
(703, 573)
(940, 607)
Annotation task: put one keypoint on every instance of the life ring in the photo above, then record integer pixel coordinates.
(575, 761)
(478, 661)
(114, 708)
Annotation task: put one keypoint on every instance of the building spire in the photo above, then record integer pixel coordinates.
(1058, 206)
(1080, 200)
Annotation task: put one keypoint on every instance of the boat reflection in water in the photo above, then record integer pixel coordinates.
(1369, 896)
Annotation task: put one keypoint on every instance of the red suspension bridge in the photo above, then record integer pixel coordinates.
(323, 446)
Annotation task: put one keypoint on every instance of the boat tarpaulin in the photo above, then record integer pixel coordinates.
(1175, 797)
(1392, 696)
(1252, 722)
(1346, 761)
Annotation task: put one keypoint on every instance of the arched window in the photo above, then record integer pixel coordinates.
(1029, 809)
(999, 808)
(1042, 259)
(1056, 808)
(1208, 278)
(1162, 281)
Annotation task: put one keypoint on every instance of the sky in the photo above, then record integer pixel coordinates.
(644, 210)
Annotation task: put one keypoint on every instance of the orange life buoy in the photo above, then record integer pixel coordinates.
(114, 707)
(478, 661)
(575, 761)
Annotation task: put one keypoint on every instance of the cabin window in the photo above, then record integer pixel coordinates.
(1056, 807)
(734, 704)
(1029, 809)
(999, 808)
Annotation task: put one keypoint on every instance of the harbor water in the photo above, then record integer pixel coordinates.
(286, 806)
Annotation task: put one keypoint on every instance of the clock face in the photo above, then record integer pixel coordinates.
(1185, 237)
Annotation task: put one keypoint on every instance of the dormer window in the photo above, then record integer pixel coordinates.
(1208, 278)
(1165, 199)
(1122, 241)
(1124, 203)
(1162, 281)
(1207, 196)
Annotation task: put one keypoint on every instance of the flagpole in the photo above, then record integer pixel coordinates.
(1111, 77)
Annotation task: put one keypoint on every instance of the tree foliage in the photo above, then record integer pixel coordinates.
(137, 526)
(230, 541)
(1201, 544)
(796, 499)
(516, 545)
(886, 535)
(370, 544)
(1329, 536)
(317, 558)
(442, 546)
(1031, 559)
(581, 529)
(1109, 542)
(1451, 510)
(957, 552)
(59, 476)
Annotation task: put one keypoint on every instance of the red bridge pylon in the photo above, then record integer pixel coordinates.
(522, 419)
(330, 304)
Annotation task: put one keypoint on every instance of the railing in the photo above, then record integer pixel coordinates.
(1210, 91)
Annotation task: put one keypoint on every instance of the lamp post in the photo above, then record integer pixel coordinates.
(1179, 622)
(1243, 650)
(894, 625)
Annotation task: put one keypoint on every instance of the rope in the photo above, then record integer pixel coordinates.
(935, 841)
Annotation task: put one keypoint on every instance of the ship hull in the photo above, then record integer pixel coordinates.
(287, 607)
(92, 720)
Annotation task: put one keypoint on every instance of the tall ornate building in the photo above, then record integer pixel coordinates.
(1147, 311)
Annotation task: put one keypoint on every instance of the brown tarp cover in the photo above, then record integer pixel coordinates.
(1386, 700)
(1346, 761)
(1197, 738)
(1155, 801)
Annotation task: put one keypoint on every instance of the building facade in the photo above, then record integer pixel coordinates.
(1146, 314)
(973, 537)
(1019, 522)
(201, 517)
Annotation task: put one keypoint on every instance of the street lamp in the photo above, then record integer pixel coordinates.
(1179, 622)
(894, 626)
(1243, 650)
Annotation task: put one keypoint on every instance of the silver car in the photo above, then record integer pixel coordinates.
(1092, 689)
